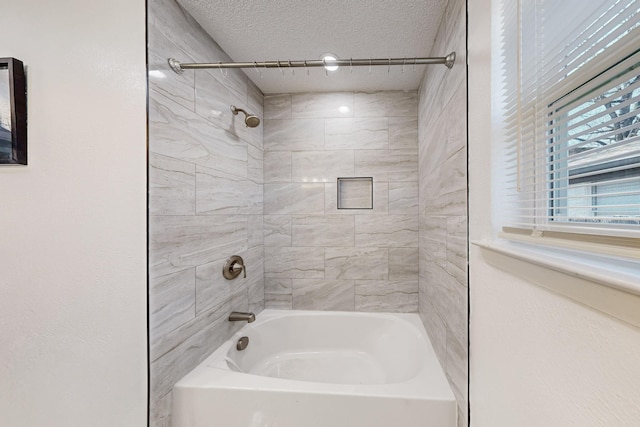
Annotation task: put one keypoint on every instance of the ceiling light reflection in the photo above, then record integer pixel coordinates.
(328, 59)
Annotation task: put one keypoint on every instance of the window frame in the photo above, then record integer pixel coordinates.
(559, 194)
(594, 237)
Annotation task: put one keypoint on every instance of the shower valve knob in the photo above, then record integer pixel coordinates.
(237, 268)
(233, 267)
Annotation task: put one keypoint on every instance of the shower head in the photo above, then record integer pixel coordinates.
(250, 120)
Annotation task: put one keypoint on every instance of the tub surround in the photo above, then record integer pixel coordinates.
(218, 189)
(317, 256)
(201, 158)
(443, 205)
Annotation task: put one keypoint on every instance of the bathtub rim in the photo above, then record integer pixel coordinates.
(430, 383)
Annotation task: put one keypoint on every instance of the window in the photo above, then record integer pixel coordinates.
(571, 107)
(594, 154)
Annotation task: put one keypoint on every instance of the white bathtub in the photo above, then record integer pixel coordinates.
(319, 369)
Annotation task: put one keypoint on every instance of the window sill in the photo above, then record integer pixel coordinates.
(607, 284)
(618, 273)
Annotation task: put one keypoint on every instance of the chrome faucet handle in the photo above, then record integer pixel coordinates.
(233, 267)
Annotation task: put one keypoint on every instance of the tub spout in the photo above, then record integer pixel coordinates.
(236, 316)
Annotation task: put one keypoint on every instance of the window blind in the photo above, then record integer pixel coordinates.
(571, 105)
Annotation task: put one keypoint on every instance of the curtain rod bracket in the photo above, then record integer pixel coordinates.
(450, 60)
(175, 66)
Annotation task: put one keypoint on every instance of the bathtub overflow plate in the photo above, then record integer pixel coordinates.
(242, 343)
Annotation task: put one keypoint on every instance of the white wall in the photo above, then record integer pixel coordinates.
(73, 239)
(537, 358)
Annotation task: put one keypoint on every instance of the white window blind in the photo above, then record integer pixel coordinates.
(571, 106)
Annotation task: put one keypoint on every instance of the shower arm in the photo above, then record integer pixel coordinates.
(447, 61)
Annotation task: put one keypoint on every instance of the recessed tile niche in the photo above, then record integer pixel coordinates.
(355, 193)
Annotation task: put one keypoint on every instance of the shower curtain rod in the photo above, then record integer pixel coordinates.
(448, 61)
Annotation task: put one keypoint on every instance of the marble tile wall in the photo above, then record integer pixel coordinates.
(442, 136)
(318, 257)
(205, 201)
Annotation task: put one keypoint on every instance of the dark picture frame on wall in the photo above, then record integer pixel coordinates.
(13, 112)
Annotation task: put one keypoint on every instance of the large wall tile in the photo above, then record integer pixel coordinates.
(293, 135)
(294, 263)
(278, 301)
(326, 230)
(403, 263)
(457, 251)
(360, 134)
(435, 327)
(387, 296)
(321, 166)
(177, 337)
(180, 242)
(433, 146)
(357, 263)
(160, 412)
(172, 186)
(323, 294)
(296, 198)
(213, 100)
(179, 90)
(255, 230)
(455, 41)
(254, 265)
(171, 301)
(277, 230)
(456, 317)
(457, 123)
(433, 239)
(252, 136)
(277, 286)
(181, 134)
(255, 103)
(210, 329)
(177, 25)
(403, 198)
(438, 288)
(455, 173)
(277, 106)
(386, 104)
(277, 166)
(403, 133)
(255, 164)
(211, 288)
(458, 372)
(427, 190)
(278, 293)
(387, 230)
(449, 204)
(222, 194)
(387, 165)
(325, 105)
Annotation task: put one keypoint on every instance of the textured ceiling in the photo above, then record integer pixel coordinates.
(261, 30)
